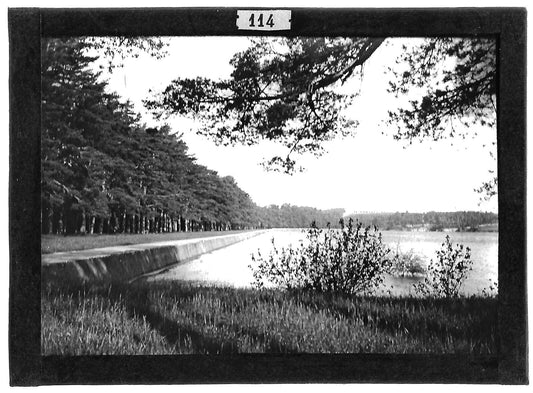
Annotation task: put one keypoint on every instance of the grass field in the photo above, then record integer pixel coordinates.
(179, 318)
(58, 243)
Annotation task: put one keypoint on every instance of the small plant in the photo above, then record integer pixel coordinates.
(407, 264)
(350, 260)
(491, 291)
(446, 275)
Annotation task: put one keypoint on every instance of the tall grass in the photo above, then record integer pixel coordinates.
(181, 318)
(84, 323)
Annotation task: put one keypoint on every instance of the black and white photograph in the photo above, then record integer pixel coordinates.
(266, 193)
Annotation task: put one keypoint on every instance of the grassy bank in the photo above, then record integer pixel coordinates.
(179, 318)
(58, 243)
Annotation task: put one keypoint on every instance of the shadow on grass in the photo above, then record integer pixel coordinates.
(471, 322)
(138, 303)
(470, 318)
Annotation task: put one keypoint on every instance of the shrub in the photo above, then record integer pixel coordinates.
(352, 259)
(446, 275)
(407, 264)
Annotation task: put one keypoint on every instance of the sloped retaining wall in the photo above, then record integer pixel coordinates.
(128, 262)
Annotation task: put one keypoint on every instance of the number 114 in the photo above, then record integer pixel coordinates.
(269, 22)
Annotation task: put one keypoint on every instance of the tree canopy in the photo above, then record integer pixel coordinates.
(105, 172)
(286, 90)
(281, 89)
(457, 79)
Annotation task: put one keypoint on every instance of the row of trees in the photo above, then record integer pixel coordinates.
(433, 221)
(104, 172)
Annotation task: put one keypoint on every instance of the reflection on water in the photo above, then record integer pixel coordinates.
(484, 254)
(229, 266)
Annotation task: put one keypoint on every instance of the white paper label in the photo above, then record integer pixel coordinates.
(265, 20)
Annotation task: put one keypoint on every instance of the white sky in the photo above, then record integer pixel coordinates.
(366, 172)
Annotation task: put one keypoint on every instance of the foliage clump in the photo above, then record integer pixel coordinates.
(446, 275)
(352, 259)
(407, 264)
(280, 89)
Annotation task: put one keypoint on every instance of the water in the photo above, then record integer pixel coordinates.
(484, 254)
(229, 266)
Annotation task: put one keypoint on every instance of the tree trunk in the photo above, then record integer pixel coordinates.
(60, 223)
(82, 225)
(112, 224)
(124, 218)
(49, 219)
(91, 225)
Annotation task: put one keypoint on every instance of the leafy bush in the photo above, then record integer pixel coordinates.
(407, 264)
(446, 275)
(352, 259)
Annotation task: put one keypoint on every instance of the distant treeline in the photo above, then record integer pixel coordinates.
(431, 221)
(103, 172)
(289, 216)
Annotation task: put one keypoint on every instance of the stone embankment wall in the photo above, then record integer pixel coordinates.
(125, 263)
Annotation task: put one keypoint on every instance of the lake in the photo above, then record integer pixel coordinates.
(229, 266)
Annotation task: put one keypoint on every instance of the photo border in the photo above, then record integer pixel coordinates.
(28, 367)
